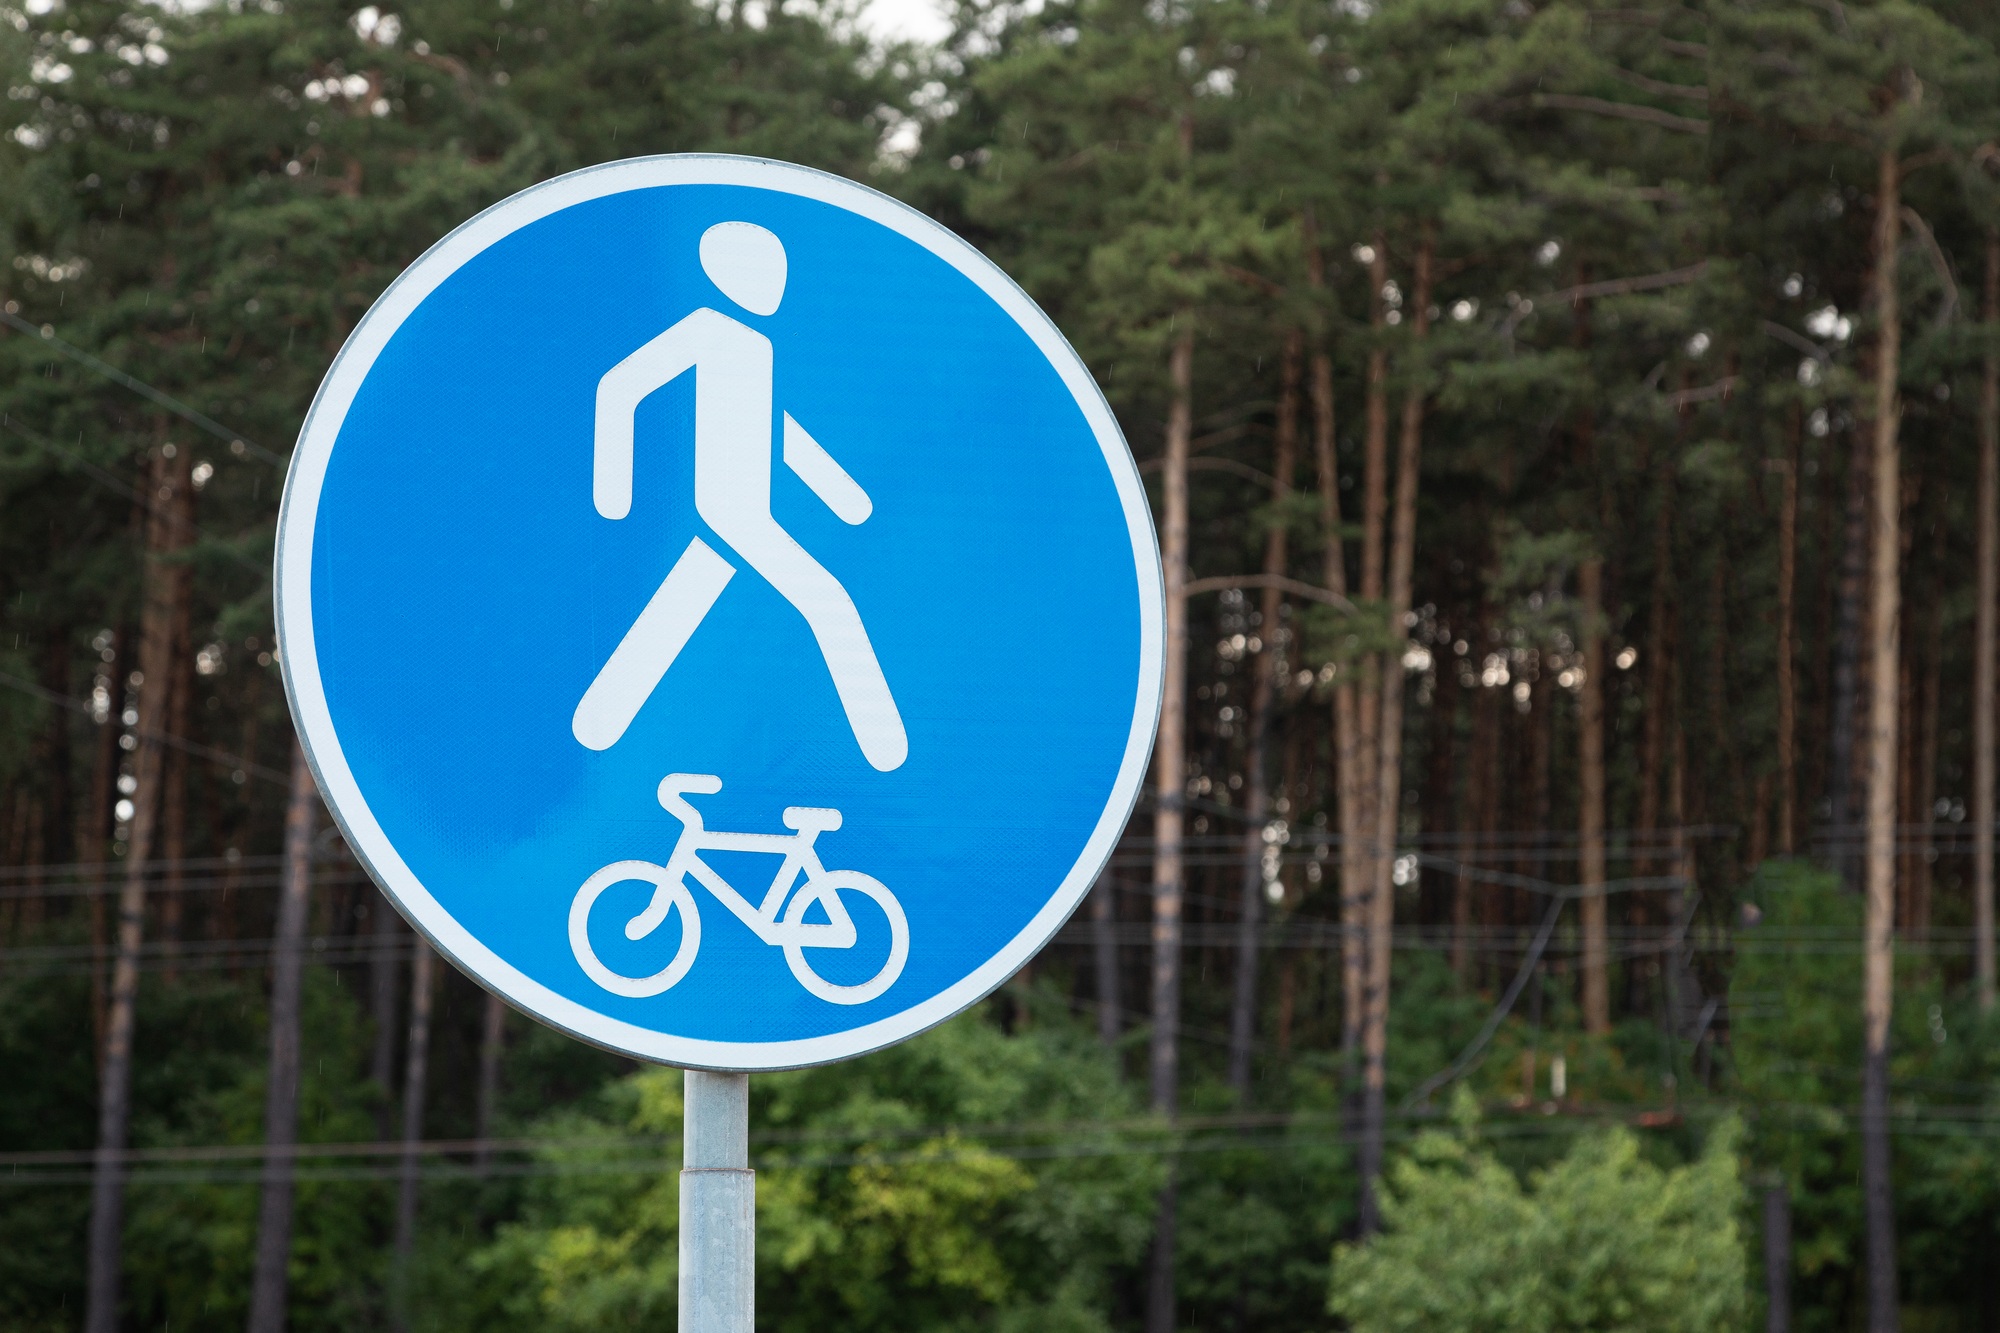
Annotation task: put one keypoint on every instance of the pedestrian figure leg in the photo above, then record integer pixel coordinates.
(843, 641)
(651, 645)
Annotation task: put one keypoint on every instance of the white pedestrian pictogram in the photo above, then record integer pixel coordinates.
(732, 493)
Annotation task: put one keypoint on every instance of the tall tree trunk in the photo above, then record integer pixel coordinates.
(1845, 704)
(1346, 695)
(1917, 732)
(58, 844)
(1359, 821)
(28, 911)
(1288, 977)
(1680, 863)
(1539, 726)
(1659, 669)
(17, 855)
(416, 1072)
(1389, 758)
(50, 835)
(1815, 742)
(1722, 786)
(1334, 572)
(1590, 801)
(1908, 707)
(1788, 566)
(93, 834)
(1104, 943)
(1661, 704)
(1590, 813)
(1777, 1258)
(1375, 461)
(173, 791)
(1759, 849)
(1105, 957)
(1170, 772)
(19, 805)
(223, 914)
(1437, 808)
(59, 838)
(13, 898)
(1263, 694)
(1927, 751)
(1983, 683)
(1483, 810)
(281, 1090)
(492, 1045)
(1878, 994)
(165, 537)
(386, 931)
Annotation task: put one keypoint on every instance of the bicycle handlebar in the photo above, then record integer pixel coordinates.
(810, 818)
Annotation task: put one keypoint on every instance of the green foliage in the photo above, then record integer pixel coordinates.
(45, 1037)
(191, 1242)
(966, 1179)
(1602, 1240)
(188, 1237)
(1796, 1030)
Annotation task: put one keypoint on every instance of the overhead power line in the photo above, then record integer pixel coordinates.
(118, 487)
(235, 762)
(47, 334)
(243, 1163)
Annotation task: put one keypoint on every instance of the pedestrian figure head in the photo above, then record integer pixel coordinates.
(747, 262)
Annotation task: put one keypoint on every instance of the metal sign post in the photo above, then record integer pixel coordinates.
(723, 615)
(718, 1245)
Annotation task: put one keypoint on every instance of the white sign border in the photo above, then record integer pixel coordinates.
(305, 690)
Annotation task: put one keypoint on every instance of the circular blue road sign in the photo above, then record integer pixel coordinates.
(721, 611)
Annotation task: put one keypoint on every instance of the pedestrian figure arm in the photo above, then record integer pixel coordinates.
(619, 394)
(826, 478)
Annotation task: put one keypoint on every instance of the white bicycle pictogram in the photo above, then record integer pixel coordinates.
(780, 919)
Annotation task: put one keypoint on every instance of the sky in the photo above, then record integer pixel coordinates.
(905, 20)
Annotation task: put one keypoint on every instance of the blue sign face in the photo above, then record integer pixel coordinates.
(721, 611)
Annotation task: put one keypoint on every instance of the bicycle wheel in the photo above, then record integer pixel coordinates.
(680, 899)
(830, 883)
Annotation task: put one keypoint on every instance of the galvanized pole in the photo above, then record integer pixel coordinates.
(718, 1206)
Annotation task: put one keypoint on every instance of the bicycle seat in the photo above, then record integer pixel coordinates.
(809, 817)
(674, 786)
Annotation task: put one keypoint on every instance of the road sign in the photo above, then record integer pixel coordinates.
(721, 611)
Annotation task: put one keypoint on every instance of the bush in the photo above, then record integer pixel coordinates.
(1601, 1240)
(965, 1179)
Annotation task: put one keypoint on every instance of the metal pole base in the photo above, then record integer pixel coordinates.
(718, 1243)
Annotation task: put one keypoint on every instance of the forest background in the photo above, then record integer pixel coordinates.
(1565, 902)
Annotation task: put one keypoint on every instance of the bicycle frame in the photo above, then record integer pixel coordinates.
(800, 859)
